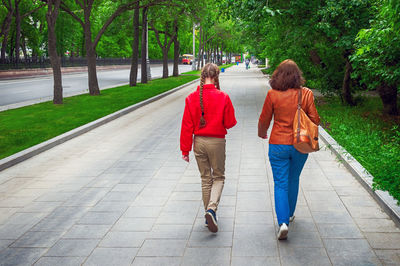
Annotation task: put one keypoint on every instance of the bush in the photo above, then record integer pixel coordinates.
(370, 137)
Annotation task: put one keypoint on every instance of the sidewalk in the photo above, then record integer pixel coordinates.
(121, 195)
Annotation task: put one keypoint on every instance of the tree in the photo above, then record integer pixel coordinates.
(90, 44)
(5, 27)
(376, 60)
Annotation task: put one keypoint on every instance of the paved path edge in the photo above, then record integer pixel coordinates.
(46, 145)
(386, 201)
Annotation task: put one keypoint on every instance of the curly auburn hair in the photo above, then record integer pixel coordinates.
(287, 76)
(209, 71)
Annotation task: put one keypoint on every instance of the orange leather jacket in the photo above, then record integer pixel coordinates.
(283, 105)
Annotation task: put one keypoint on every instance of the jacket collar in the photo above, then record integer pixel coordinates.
(207, 86)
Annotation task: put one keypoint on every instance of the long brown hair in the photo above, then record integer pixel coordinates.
(286, 76)
(209, 71)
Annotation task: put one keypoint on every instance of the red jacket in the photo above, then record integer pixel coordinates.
(218, 113)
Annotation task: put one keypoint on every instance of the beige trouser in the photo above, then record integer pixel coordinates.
(210, 157)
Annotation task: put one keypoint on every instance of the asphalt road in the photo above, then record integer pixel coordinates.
(36, 88)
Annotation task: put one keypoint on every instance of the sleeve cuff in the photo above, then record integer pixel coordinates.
(185, 153)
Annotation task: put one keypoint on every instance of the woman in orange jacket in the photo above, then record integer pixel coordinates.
(286, 162)
(208, 114)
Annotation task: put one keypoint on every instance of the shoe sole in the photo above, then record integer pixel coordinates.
(212, 224)
(283, 234)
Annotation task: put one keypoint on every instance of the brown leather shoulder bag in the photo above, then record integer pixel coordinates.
(305, 131)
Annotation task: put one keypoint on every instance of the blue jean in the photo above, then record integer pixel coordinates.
(286, 163)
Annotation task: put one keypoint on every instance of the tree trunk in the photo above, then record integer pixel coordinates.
(90, 56)
(144, 45)
(17, 31)
(23, 46)
(165, 50)
(51, 17)
(5, 33)
(388, 94)
(346, 92)
(135, 48)
(222, 53)
(165, 63)
(200, 40)
(175, 71)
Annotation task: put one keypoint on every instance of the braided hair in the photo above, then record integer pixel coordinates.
(209, 71)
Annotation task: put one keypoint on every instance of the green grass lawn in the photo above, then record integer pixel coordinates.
(198, 72)
(27, 126)
(372, 138)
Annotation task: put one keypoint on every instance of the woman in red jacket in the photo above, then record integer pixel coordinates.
(208, 114)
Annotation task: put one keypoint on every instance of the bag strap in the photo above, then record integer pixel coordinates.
(298, 115)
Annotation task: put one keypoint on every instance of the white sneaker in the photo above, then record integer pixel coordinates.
(291, 219)
(283, 231)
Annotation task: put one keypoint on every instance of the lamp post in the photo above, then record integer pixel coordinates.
(147, 52)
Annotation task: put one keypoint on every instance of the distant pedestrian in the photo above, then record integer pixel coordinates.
(208, 114)
(286, 162)
(247, 63)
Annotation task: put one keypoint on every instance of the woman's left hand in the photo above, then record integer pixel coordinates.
(185, 158)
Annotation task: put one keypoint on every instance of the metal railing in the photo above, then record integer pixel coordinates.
(44, 62)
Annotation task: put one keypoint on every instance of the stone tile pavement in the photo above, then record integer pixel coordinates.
(121, 195)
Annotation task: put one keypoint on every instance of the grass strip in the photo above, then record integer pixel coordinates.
(368, 135)
(30, 125)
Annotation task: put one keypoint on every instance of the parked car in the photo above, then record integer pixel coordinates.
(187, 59)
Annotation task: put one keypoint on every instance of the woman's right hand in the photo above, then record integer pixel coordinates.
(185, 158)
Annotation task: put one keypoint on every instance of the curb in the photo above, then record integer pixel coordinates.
(387, 202)
(44, 146)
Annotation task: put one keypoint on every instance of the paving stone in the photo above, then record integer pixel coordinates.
(73, 248)
(54, 224)
(243, 217)
(100, 218)
(60, 261)
(13, 231)
(134, 224)
(376, 225)
(112, 256)
(207, 256)
(163, 231)
(256, 246)
(182, 195)
(220, 239)
(40, 207)
(339, 231)
(87, 231)
(384, 240)
(350, 252)
(162, 248)
(157, 261)
(147, 212)
(37, 240)
(68, 212)
(110, 206)
(172, 218)
(123, 239)
(127, 196)
(255, 261)
(149, 201)
(20, 256)
(303, 256)
(333, 217)
(4, 243)
(389, 257)
(307, 239)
